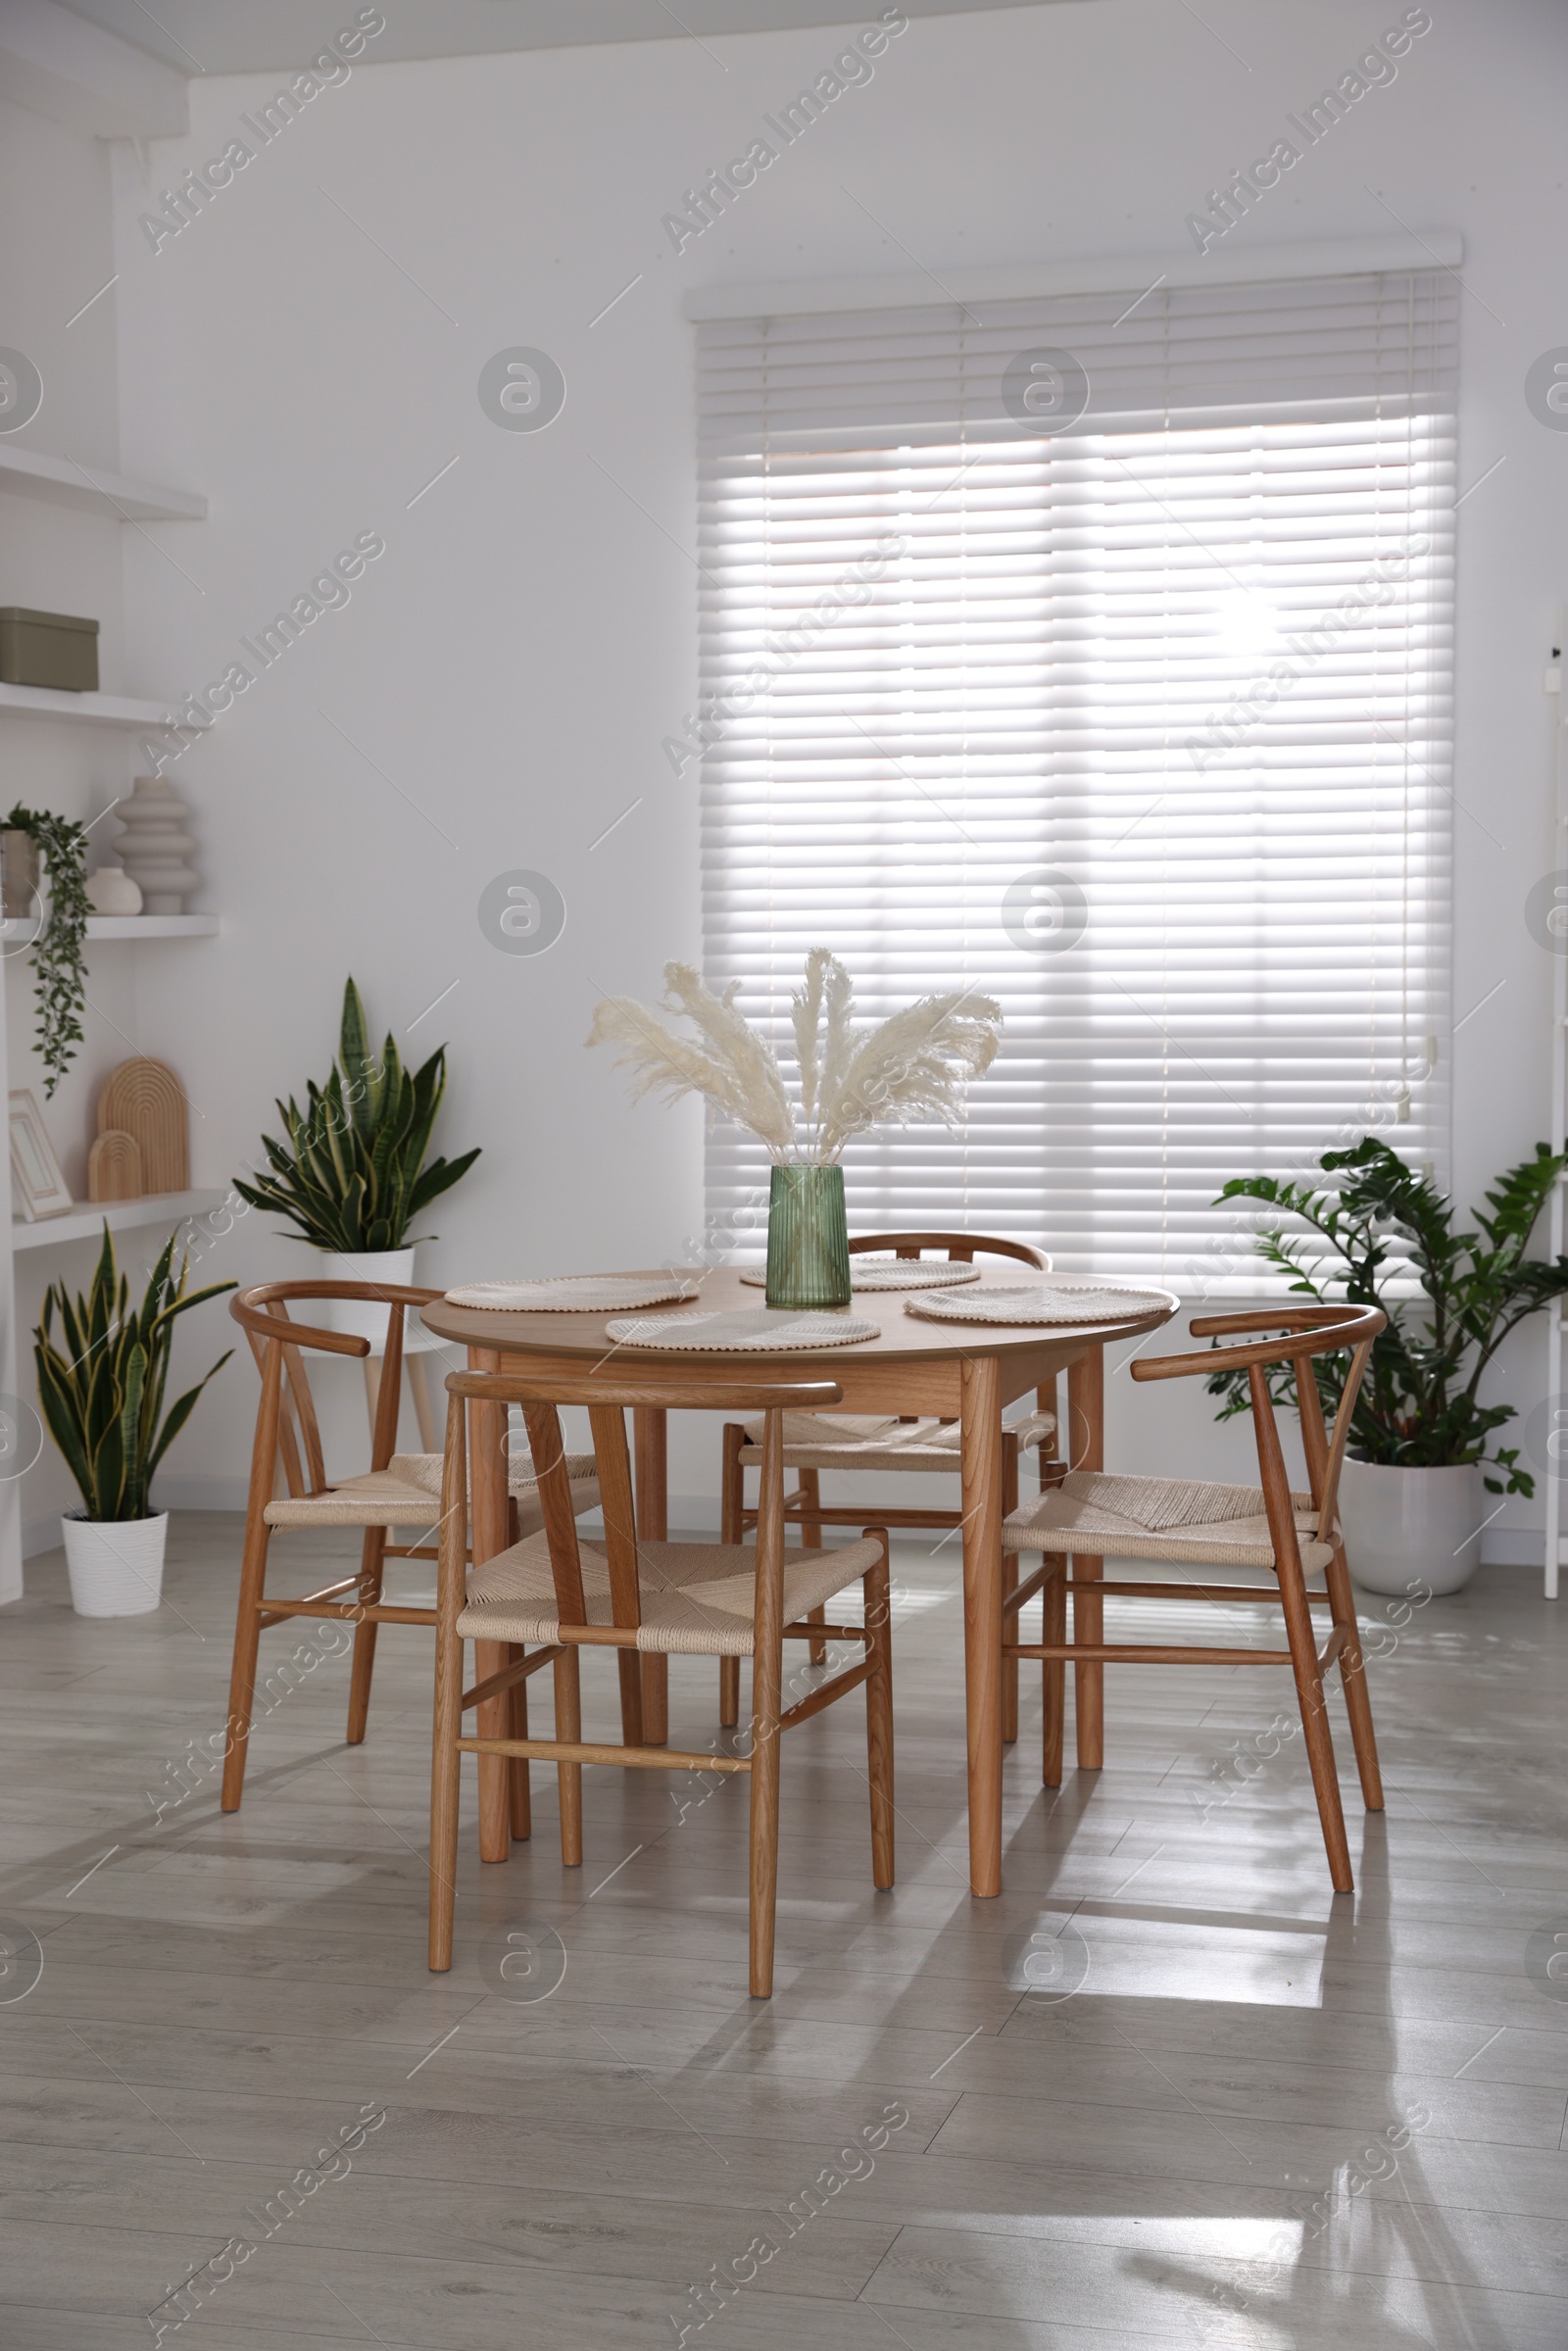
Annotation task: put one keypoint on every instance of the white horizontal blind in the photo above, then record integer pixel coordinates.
(1084, 721)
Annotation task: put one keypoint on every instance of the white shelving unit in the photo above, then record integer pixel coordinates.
(83, 710)
(63, 482)
(128, 926)
(111, 499)
(123, 1215)
(1555, 1319)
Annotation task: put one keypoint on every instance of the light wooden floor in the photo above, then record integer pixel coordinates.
(1177, 2154)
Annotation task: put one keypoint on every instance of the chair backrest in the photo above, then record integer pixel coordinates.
(1311, 1331)
(962, 1247)
(286, 1425)
(541, 1398)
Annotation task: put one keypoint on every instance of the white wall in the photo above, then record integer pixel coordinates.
(505, 671)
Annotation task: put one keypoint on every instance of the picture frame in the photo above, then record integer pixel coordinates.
(36, 1176)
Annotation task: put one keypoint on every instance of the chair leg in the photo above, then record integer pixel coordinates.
(446, 1764)
(372, 1568)
(1315, 1724)
(1353, 1680)
(631, 1696)
(879, 1712)
(1009, 1582)
(517, 1728)
(731, 1511)
(656, 1699)
(1053, 1672)
(568, 1729)
(247, 1642)
(1089, 1681)
(812, 1540)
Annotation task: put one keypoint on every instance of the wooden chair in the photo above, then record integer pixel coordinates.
(1091, 1516)
(665, 1598)
(814, 1441)
(401, 1489)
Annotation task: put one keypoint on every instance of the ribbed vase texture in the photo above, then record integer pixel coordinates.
(808, 1239)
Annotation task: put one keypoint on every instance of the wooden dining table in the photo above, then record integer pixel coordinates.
(964, 1372)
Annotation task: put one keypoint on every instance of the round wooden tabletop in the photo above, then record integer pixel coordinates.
(719, 1288)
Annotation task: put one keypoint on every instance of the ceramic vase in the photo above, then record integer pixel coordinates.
(18, 877)
(807, 1238)
(154, 847)
(111, 891)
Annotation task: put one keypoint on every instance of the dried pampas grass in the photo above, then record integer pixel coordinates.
(739, 1075)
(913, 1065)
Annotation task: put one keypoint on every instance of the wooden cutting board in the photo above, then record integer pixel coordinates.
(144, 1098)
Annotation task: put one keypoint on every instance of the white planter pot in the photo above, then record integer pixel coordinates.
(115, 1565)
(1405, 1527)
(360, 1319)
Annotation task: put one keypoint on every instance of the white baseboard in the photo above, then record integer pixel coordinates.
(201, 1494)
(1519, 1547)
(689, 1514)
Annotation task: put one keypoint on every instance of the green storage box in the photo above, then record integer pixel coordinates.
(48, 649)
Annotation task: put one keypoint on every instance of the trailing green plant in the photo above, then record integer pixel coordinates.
(102, 1384)
(58, 959)
(1365, 1234)
(351, 1174)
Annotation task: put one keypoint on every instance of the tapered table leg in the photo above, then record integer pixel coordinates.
(1085, 1436)
(650, 1440)
(981, 1417)
(487, 1518)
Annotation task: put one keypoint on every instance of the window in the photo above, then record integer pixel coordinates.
(1138, 725)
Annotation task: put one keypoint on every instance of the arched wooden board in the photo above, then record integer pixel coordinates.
(114, 1167)
(144, 1097)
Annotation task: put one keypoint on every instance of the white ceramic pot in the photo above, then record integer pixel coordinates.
(361, 1319)
(1405, 1527)
(115, 1565)
(111, 891)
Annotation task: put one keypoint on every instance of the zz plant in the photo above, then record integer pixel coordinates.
(351, 1174)
(102, 1384)
(57, 958)
(1375, 1221)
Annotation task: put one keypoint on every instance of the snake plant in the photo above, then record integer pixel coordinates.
(101, 1386)
(351, 1174)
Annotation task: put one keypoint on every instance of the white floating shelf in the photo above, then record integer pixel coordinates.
(91, 709)
(62, 483)
(123, 1215)
(129, 926)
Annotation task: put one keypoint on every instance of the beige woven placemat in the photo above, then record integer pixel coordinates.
(1038, 1302)
(887, 1273)
(757, 1331)
(577, 1292)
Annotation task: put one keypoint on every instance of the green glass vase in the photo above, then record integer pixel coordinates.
(808, 1239)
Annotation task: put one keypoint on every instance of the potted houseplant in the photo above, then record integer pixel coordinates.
(102, 1393)
(351, 1175)
(58, 958)
(910, 1066)
(1420, 1457)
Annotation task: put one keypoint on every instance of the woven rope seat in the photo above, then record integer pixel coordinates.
(1160, 1518)
(403, 1495)
(698, 1599)
(852, 1440)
